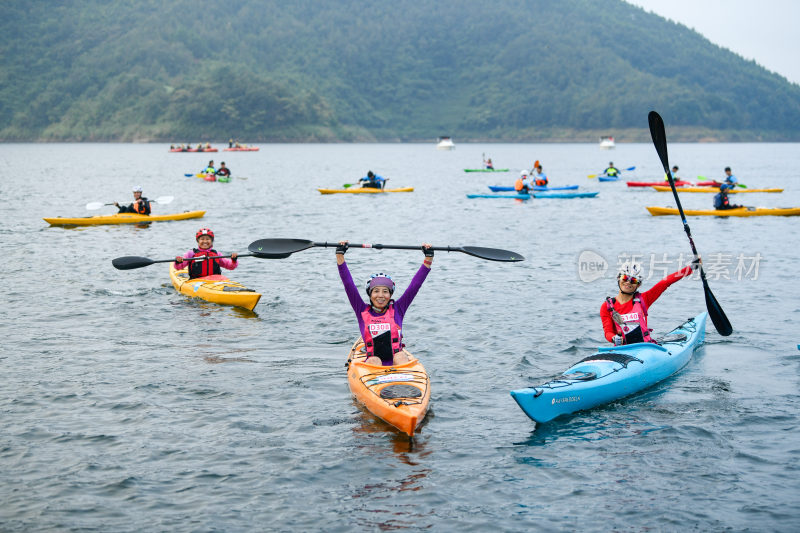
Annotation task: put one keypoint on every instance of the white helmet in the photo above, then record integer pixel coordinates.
(523, 173)
(138, 188)
(630, 269)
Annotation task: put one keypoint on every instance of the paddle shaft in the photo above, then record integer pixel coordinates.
(132, 262)
(658, 133)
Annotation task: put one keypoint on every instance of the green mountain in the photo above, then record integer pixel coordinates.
(313, 70)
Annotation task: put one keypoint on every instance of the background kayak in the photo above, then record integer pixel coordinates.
(502, 188)
(739, 212)
(678, 183)
(121, 218)
(566, 194)
(485, 170)
(364, 190)
(607, 178)
(661, 188)
(612, 373)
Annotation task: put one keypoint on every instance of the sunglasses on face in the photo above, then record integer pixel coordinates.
(630, 279)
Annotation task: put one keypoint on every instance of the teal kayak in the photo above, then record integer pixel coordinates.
(612, 373)
(538, 195)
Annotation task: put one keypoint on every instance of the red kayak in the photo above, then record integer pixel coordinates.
(709, 183)
(678, 183)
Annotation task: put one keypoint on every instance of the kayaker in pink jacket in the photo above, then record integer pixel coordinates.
(211, 264)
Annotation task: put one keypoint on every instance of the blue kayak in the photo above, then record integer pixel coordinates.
(566, 194)
(515, 196)
(612, 373)
(608, 178)
(501, 188)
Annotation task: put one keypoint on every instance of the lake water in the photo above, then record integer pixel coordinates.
(129, 407)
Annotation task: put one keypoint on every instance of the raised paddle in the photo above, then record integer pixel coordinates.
(159, 200)
(383, 184)
(283, 248)
(129, 262)
(659, 136)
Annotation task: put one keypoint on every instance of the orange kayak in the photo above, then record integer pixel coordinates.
(398, 395)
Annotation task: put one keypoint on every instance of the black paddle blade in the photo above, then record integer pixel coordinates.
(718, 318)
(492, 254)
(129, 262)
(278, 248)
(659, 136)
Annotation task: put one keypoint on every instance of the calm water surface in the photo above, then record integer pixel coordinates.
(127, 406)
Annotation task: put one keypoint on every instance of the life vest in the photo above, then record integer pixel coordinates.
(634, 324)
(520, 186)
(611, 172)
(377, 325)
(142, 207)
(721, 200)
(541, 181)
(205, 267)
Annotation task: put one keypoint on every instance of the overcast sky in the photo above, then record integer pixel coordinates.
(767, 31)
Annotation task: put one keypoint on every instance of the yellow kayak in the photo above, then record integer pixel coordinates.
(737, 212)
(364, 190)
(217, 289)
(398, 395)
(121, 218)
(667, 188)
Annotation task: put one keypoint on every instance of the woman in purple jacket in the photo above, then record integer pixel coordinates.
(381, 320)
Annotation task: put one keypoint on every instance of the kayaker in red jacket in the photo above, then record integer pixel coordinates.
(381, 320)
(140, 204)
(205, 267)
(625, 317)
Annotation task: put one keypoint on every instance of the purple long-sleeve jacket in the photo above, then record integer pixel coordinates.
(400, 305)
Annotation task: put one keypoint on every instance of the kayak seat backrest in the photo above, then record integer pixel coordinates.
(228, 288)
(393, 392)
(620, 358)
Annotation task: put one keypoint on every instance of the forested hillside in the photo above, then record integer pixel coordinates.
(343, 70)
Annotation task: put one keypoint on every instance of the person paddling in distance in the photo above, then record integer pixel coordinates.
(521, 186)
(201, 268)
(372, 181)
(730, 178)
(721, 201)
(210, 168)
(625, 317)
(674, 174)
(489, 164)
(140, 205)
(223, 170)
(612, 171)
(540, 178)
(381, 320)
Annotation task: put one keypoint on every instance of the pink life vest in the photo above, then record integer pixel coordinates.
(375, 325)
(633, 323)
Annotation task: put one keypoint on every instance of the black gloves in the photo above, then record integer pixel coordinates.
(427, 251)
(341, 248)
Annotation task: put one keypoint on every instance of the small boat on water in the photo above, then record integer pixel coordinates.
(241, 149)
(542, 195)
(678, 183)
(542, 188)
(661, 188)
(486, 170)
(121, 218)
(735, 212)
(445, 143)
(193, 150)
(365, 190)
(607, 142)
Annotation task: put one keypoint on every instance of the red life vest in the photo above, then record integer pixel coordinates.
(376, 325)
(634, 324)
(541, 182)
(206, 267)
